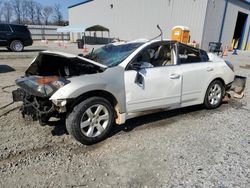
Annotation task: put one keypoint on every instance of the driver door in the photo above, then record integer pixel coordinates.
(152, 86)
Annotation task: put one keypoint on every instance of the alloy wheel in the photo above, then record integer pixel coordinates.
(94, 120)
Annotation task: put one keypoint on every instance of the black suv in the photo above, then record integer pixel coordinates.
(14, 37)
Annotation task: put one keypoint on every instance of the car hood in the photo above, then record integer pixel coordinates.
(50, 71)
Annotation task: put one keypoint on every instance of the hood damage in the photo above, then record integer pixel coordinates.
(47, 73)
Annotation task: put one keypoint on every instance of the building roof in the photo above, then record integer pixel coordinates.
(246, 1)
(81, 28)
(87, 1)
(75, 5)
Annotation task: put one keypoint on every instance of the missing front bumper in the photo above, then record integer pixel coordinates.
(238, 86)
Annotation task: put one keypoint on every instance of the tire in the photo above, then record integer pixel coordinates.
(16, 46)
(214, 95)
(91, 120)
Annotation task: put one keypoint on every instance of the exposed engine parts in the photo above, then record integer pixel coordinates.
(36, 107)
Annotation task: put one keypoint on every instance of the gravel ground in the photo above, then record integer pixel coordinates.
(190, 147)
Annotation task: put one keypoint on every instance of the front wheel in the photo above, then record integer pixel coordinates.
(214, 95)
(91, 120)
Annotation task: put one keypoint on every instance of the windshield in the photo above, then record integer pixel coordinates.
(111, 54)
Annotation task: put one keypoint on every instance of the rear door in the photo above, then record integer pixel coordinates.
(196, 71)
(5, 34)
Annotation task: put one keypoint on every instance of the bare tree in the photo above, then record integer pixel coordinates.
(47, 12)
(39, 15)
(31, 10)
(7, 11)
(16, 4)
(1, 10)
(24, 11)
(58, 17)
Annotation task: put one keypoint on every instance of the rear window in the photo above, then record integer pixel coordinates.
(19, 28)
(189, 54)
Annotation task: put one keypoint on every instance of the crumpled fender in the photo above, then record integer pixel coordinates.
(112, 81)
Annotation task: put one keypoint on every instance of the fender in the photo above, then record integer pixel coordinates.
(110, 81)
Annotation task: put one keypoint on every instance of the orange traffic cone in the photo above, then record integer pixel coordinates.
(225, 52)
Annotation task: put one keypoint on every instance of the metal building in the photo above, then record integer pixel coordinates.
(223, 21)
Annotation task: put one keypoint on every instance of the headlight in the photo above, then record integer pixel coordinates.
(49, 84)
(230, 65)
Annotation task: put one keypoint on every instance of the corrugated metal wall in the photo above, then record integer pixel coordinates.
(214, 18)
(232, 12)
(42, 32)
(213, 22)
(132, 19)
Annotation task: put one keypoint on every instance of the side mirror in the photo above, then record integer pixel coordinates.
(140, 79)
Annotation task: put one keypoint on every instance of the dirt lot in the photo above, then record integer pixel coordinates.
(191, 147)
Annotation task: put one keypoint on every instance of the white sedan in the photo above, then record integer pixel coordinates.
(120, 81)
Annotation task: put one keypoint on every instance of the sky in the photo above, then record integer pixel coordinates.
(65, 4)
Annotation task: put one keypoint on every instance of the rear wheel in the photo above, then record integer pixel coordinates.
(16, 46)
(91, 120)
(214, 95)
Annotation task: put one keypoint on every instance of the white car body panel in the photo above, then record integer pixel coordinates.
(166, 87)
(157, 91)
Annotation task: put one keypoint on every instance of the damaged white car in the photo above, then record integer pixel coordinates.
(120, 81)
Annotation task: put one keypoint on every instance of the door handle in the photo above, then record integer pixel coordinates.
(174, 76)
(8, 34)
(209, 69)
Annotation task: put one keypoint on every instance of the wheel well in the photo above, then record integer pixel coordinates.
(221, 80)
(96, 93)
(11, 40)
(223, 83)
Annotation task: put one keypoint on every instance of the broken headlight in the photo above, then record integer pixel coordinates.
(42, 86)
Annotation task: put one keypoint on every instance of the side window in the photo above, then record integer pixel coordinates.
(142, 60)
(191, 55)
(163, 56)
(8, 28)
(4, 28)
(19, 28)
(154, 56)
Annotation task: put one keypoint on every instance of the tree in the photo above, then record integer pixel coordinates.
(58, 14)
(47, 12)
(7, 11)
(31, 11)
(16, 4)
(1, 10)
(38, 11)
(24, 12)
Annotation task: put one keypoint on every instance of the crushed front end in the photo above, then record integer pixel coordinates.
(49, 72)
(35, 92)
